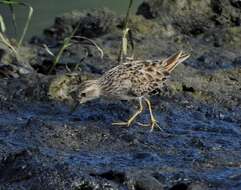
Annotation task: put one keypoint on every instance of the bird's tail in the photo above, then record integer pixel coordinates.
(171, 62)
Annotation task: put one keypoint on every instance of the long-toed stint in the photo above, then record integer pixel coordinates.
(135, 79)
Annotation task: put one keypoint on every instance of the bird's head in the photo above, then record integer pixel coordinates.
(87, 91)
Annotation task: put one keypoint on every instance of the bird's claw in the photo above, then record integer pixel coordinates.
(154, 123)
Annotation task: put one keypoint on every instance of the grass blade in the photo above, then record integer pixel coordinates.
(125, 41)
(30, 13)
(13, 18)
(2, 24)
(6, 42)
(10, 3)
(66, 44)
(93, 43)
(126, 30)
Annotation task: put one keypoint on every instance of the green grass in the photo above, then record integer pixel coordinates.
(67, 42)
(126, 36)
(11, 4)
(3, 38)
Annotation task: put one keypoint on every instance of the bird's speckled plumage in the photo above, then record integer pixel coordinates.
(138, 77)
(134, 79)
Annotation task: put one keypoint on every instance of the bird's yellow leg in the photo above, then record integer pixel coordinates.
(154, 122)
(132, 118)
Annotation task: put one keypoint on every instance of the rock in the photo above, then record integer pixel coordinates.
(141, 180)
(12, 65)
(198, 186)
(236, 3)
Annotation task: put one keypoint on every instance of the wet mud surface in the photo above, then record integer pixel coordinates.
(44, 146)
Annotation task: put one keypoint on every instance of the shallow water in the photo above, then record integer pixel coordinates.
(45, 11)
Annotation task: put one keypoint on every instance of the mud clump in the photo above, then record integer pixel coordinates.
(192, 17)
(91, 24)
(44, 146)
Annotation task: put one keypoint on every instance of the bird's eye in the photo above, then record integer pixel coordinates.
(83, 94)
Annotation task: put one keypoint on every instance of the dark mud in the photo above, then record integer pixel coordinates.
(43, 146)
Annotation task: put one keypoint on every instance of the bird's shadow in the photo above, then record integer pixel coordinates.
(102, 110)
(106, 112)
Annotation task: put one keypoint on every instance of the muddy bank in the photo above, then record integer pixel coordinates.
(43, 146)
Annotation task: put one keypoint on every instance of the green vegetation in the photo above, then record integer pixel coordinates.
(3, 39)
(127, 34)
(67, 42)
(11, 4)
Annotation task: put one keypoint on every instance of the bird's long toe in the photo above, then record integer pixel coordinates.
(153, 124)
(123, 123)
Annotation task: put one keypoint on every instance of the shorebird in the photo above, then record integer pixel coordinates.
(134, 79)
